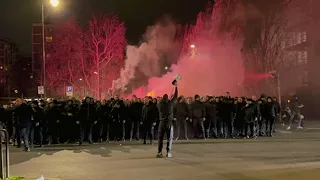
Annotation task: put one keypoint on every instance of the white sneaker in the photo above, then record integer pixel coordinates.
(288, 128)
(299, 127)
(169, 155)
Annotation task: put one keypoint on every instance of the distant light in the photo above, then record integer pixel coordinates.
(16, 91)
(192, 46)
(95, 72)
(166, 68)
(1, 67)
(54, 3)
(80, 79)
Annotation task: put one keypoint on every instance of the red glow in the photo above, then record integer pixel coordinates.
(213, 66)
(258, 76)
(88, 60)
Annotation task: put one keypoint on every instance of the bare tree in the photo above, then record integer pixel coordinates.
(105, 44)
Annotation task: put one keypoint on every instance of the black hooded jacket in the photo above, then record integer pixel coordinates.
(149, 113)
(165, 107)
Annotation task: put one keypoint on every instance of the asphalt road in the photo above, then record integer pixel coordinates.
(290, 155)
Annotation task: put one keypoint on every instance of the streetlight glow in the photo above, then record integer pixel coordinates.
(192, 46)
(166, 68)
(54, 3)
(80, 79)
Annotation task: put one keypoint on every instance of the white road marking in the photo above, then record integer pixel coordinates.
(284, 132)
(313, 128)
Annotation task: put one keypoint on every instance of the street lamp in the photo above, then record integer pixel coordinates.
(276, 75)
(54, 3)
(192, 46)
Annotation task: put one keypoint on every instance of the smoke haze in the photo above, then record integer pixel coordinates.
(212, 66)
(158, 50)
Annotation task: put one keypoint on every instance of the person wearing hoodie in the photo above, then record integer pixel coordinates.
(135, 109)
(166, 117)
(181, 113)
(148, 119)
(211, 116)
(87, 115)
(24, 115)
(72, 121)
(271, 115)
(38, 118)
(198, 116)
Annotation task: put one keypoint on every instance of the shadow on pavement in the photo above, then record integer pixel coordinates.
(105, 149)
(17, 155)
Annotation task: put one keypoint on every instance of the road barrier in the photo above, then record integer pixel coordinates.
(4, 175)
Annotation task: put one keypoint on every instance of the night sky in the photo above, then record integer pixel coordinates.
(17, 16)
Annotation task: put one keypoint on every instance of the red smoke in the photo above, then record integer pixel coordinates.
(210, 63)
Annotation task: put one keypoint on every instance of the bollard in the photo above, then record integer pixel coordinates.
(2, 174)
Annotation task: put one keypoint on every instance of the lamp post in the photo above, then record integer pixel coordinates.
(54, 3)
(276, 75)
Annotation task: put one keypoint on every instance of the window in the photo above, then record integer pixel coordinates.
(37, 29)
(302, 57)
(37, 39)
(49, 39)
(37, 48)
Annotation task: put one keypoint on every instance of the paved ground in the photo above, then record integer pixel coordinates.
(293, 155)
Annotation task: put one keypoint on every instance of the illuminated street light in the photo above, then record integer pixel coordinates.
(80, 79)
(95, 72)
(1, 67)
(54, 3)
(192, 46)
(166, 68)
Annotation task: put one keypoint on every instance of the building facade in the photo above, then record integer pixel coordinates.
(37, 50)
(8, 56)
(303, 50)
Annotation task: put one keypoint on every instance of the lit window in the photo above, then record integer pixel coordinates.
(49, 39)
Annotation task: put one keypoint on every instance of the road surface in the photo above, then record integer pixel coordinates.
(293, 155)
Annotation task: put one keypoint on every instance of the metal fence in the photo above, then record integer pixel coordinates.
(4, 165)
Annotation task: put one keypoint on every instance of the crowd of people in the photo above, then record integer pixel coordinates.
(39, 122)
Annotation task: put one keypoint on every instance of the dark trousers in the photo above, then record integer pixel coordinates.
(270, 125)
(207, 126)
(118, 130)
(228, 128)
(165, 127)
(24, 132)
(198, 127)
(105, 131)
(135, 127)
(179, 124)
(213, 127)
(36, 130)
(249, 129)
(54, 132)
(261, 126)
(86, 129)
(15, 133)
(74, 132)
(148, 131)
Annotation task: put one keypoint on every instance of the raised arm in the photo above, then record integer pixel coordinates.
(174, 96)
